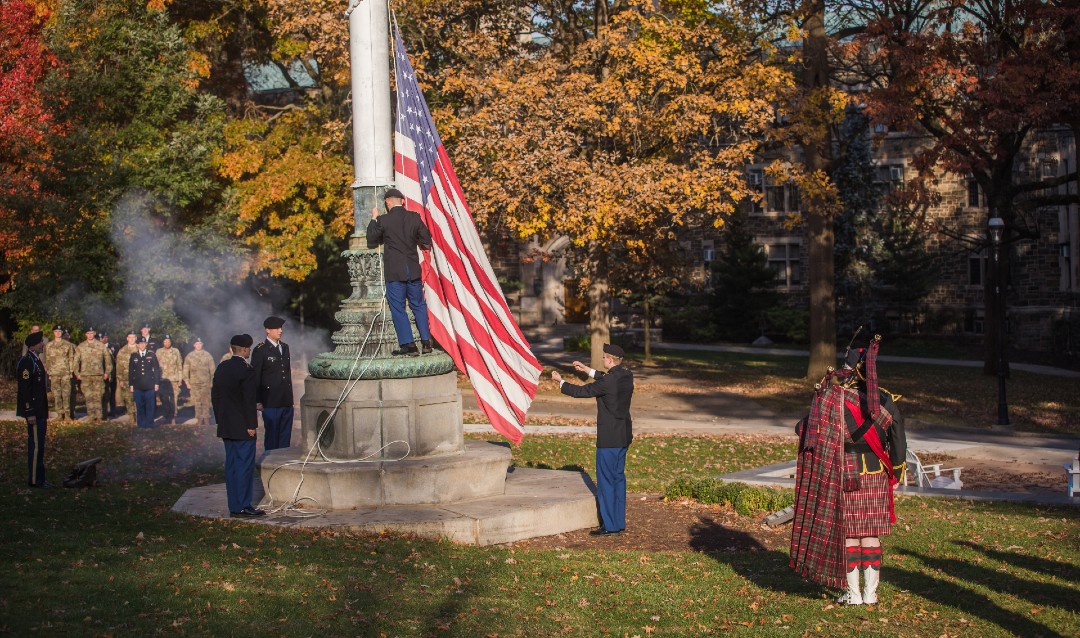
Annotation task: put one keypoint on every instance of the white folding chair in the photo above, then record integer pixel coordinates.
(932, 475)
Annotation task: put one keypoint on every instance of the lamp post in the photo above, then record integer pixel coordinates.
(997, 229)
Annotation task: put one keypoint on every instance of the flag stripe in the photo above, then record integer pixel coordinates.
(469, 314)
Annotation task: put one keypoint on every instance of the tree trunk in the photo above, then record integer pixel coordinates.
(648, 335)
(820, 248)
(599, 321)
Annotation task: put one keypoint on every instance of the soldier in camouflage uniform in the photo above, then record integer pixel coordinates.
(60, 362)
(124, 396)
(108, 404)
(172, 373)
(199, 375)
(93, 367)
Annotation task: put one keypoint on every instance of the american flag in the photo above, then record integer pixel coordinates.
(468, 312)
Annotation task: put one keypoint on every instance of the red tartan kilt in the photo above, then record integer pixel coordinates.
(866, 510)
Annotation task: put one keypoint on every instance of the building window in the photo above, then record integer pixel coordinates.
(976, 270)
(784, 261)
(974, 321)
(778, 197)
(974, 194)
(889, 177)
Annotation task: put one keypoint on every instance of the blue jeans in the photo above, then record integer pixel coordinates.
(396, 293)
(611, 487)
(144, 408)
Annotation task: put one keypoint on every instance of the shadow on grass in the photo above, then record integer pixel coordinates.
(1065, 571)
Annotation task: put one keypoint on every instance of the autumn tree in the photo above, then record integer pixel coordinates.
(619, 124)
(980, 78)
(29, 133)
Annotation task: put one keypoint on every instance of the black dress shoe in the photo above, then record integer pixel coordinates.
(603, 532)
(45, 485)
(248, 512)
(425, 346)
(408, 350)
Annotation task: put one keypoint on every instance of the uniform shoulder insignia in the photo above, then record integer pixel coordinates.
(26, 374)
(260, 344)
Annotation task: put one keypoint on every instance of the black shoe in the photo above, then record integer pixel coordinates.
(408, 350)
(44, 486)
(603, 532)
(248, 512)
(425, 346)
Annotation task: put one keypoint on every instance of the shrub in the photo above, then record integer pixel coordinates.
(792, 323)
(751, 501)
(730, 491)
(682, 488)
(707, 490)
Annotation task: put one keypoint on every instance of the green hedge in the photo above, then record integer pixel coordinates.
(746, 499)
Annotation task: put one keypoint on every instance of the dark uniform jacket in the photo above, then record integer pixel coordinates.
(613, 391)
(401, 232)
(33, 387)
(233, 397)
(273, 375)
(893, 437)
(143, 370)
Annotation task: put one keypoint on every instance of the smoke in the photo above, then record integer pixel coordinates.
(193, 282)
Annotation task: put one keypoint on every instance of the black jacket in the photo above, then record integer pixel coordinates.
(233, 398)
(402, 232)
(273, 375)
(144, 372)
(613, 391)
(33, 388)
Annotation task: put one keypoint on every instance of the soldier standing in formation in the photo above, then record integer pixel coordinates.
(273, 373)
(144, 373)
(33, 405)
(233, 396)
(123, 389)
(172, 373)
(93, 367)
(199, 375)
(60, 361)
(151, 343)
(109, 404)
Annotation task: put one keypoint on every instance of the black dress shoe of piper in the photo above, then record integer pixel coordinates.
(406, 350)
(254, 511)
(425, 346)
(247, 512)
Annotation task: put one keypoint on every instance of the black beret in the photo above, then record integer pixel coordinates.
(140, 339)
(169, 337)
(131, 332)
(197, 340)
(33, 339)
(614, 350)
(273, 322)
(392, 192)
(243, 341)
(58, 327)
(89, 330)
(104, 335)
(146, 325)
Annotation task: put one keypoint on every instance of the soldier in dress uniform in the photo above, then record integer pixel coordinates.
(60, 362)
(124, 398)
(172, 373)
(199, 376)
(144, 375)
(273, 373)
(93, 367)
(109, 404)
(33, 405)
(35, 328)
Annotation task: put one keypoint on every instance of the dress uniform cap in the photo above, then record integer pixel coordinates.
(273, 322)
(392, 192)
(242, 341)
(614, 350)
(140, 339)
(146, 325)
(33, 339)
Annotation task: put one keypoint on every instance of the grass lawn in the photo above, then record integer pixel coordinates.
(114, 560)
(940, 394)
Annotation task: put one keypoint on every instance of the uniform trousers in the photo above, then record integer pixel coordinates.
(277, 426)
(93, 389)
(144, 408)
(35, 451)
(168, 405)
(200, 397)
(396, 294)
(63, 395)
(239, 472)
(611, 487)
